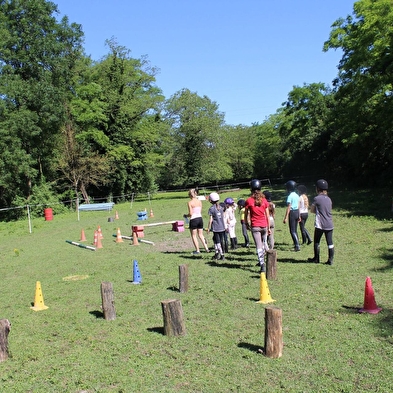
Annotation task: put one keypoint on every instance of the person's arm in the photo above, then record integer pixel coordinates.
(209, 226)
(287, 213)
(246, 214)
(189, 208)
(312, 208)
(268, 218)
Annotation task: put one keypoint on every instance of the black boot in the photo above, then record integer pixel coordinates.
(316, 254)
(232, 243)
(331, 257)
(235, 241)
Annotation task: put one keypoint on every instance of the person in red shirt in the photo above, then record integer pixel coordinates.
(256, 216)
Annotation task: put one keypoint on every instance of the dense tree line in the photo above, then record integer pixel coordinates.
(70, 125)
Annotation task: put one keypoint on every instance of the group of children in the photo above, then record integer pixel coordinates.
(257, 215)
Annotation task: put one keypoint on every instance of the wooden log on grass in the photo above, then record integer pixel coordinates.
(271, 268)
(183, 278)
(173, 318)
(108, 303)
(5, 327)
(273, 332)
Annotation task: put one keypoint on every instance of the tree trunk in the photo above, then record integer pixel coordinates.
(273, 332)
(5, 327)
(183, 278)
(107, 296)
(173, 318)
(271, 268)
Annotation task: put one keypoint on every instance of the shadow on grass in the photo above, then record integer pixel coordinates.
(229, 265)
(387, 255)
(252, 347)
(290, 260)
(158, 329)
(173, 288)
(97, 314)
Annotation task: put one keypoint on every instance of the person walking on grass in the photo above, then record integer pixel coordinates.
(272, 211)
(256, 216)
(241, 205)
(292, 212)
(322, 207)
(303, 211)
(196, 221)
(217, 225)
(231, 221)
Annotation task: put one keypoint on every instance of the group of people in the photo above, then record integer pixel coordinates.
(257, 215)
(297, 213)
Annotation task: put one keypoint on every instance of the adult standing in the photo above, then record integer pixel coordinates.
(196, 220)
(303, 211)
(256, 216)
(322, 207)
(292, 212)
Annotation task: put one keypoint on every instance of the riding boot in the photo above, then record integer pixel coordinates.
(331, 256)
(232, 243)
(235, 241)
(316, 254)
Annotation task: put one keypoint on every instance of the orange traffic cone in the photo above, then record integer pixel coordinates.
(83, 237)
(116, 216)
(135, 238)
(264, 291)
(100, 235)
(119, 239)
(370, 305)
(95, 238)
(151, 213)
(99, 243)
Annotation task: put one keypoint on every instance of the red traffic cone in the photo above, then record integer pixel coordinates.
(83, 236)
(370, 305)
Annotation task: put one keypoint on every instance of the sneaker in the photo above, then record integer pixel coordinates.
(196, 253)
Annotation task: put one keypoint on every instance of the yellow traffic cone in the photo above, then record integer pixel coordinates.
(119, 239)
(38, 298)
(264, 291)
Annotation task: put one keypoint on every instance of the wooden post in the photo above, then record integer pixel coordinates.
(271, 268)
(107, 296)
(173, 318)
(5, 327)
(273, 332)
(183, 278)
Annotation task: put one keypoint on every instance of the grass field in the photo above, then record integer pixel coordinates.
(328, 345)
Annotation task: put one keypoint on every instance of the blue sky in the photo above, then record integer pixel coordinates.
(244, 55)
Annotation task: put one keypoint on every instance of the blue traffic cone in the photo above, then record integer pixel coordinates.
(137, 275)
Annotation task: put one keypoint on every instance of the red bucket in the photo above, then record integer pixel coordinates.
(48, 214)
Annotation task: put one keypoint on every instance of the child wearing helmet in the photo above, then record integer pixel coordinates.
(256, 217)
(231, 221)
(322, 207)
(241, 203)
(217, 225)
(196, 221)
(292, 212)
(272, 211)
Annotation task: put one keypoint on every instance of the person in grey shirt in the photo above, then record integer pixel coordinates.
(322, 207)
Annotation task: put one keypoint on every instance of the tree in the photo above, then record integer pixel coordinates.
(37, 56)
(364, 120)
(195, 130)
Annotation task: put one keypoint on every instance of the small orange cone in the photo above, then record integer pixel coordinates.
(119, 239)
(151, 213)
(100, 235)
(264, 291)
(95, 238)
(38, 298)
(83, 237)
(370, 305)
(116, 216)
(99, 243)
(135, 238)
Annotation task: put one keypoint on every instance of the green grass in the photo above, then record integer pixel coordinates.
(328, 345)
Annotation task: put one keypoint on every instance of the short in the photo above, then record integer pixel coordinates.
(196, 223)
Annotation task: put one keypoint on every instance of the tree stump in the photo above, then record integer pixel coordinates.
(183, 278)
(173, 318)
(271, 268)
(108, 305)
(273, 332)
(5, 327)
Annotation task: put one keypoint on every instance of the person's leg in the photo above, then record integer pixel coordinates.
(245, 235)
(302, 228)
(194, 239)
(317, 239)
(202, 239)
(293, 221)
(329, 241)
(258, 235)
(217, 245)
(306, 233)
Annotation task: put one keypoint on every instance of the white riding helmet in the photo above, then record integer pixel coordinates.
(214, 197)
